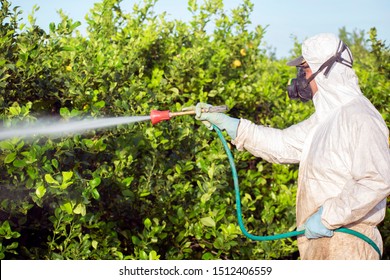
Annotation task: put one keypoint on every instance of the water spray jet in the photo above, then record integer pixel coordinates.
(54, 128)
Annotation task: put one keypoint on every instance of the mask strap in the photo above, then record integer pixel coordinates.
(336, 58)
(342, 60)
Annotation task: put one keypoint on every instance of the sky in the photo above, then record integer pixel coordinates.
(284, 19)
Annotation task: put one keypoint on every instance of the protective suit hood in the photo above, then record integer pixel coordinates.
(340, 85)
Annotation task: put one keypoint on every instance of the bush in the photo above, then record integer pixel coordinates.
(137, 191)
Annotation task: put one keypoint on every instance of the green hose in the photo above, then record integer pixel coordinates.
(276, 236)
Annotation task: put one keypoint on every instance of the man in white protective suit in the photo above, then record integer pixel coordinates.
(342, 151)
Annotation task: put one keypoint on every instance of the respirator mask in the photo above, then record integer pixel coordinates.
(299, 87)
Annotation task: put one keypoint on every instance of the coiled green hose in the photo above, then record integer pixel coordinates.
(276, 236)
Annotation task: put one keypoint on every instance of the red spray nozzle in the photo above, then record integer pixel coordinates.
(158, 116)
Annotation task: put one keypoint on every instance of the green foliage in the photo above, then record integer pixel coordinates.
(137, 191)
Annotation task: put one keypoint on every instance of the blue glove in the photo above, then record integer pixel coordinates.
(314, 228)
(221, 120)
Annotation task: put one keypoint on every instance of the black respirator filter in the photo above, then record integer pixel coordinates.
(299, 88)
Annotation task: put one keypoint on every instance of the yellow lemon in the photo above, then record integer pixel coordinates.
(236, 63)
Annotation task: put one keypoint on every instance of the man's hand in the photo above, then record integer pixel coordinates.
(314, 228)
(220, 120)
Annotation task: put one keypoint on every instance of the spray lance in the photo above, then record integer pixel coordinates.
(158, 116)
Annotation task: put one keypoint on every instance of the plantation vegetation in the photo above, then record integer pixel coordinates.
(141, 191)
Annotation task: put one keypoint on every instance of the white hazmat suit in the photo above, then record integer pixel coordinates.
(343, 155)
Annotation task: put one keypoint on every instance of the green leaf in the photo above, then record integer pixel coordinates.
(180, 213)
(219, 243)
(19, 163)
(208, 221)
(74, 113)
(95, 194)
(174, 90)
(153, 255)
(95, 182)
(67, 207)
(68, 48)
(52, 27)
(144, 193)
(10, 158)
(5, 229)
(207, 256)
(136, 241)
(66, 185)
(143, 255)
(147, 223)
(75, 25)
(15, 111)
(6, 145)
(13, 245)
(100, 104)
(127, 181)
(49, 179)
(89, 143)
(54, 162)
(64, 112)
(40, 191)
(33, 173)
(80, 209)
(66, 176)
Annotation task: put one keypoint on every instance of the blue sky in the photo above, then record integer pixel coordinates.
(285, 18)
